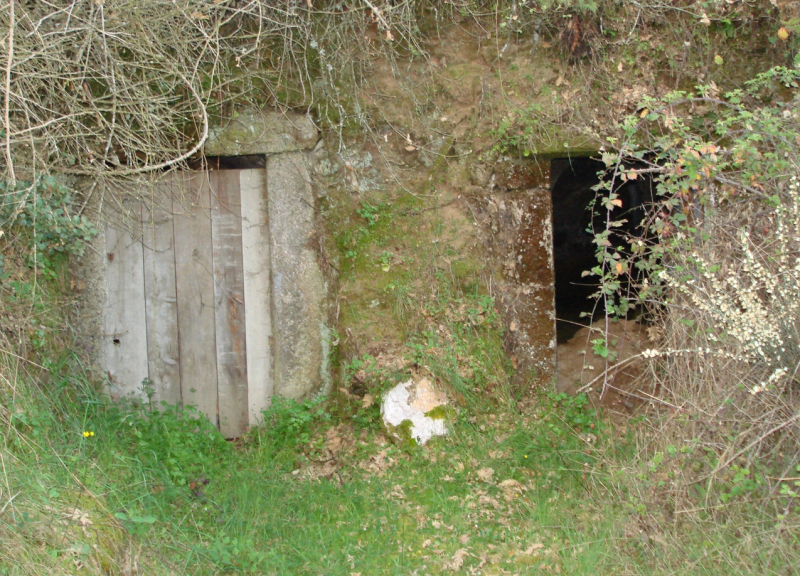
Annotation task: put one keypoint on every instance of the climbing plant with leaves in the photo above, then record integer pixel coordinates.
(716, 263)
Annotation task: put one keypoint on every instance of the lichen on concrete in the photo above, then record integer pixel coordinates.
(298, 284)
(253, 131)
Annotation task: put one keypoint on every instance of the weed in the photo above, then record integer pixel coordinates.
(177, 439)
(576, 412)
(369, 213)
(288, 423)
(44, 210)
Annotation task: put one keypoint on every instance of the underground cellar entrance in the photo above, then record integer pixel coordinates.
(574, 226)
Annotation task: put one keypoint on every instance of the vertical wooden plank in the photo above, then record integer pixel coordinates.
(257, 294)
(194, 283)
(125, 331)
(161, 301)
(229, 304)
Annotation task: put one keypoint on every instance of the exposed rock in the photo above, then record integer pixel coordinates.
(414, 411)
(261, 132)
(299, 290)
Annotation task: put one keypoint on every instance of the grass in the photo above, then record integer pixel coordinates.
(542, 486)
(173, 496)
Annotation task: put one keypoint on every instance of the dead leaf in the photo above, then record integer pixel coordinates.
(619, 268)
(411, 148)
(533, 548)
(426, 543)
(333, 441)
(705, 20)
(617, 202)
(513, 326)
(511, 484)
(458, 559)
(389, 35)
(76, 515)
(619, 66)
(199, 16)
(490, 501)
(486, 474)
(511, 489)
(367, 401)
(783, 34)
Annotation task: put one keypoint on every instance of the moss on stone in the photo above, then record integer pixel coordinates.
(402, 434)
(442, 412)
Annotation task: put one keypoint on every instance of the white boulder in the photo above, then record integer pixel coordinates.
(406, 411)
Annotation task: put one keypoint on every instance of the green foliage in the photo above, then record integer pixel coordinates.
(715, 267)
(179, 440)
(229, 554)
(288, 422)
(520, 131)
(369, 213)
(699, 159)
(564, 441)
(372, 222)
(44, 213)
(468, 356)
(576, 412)
(742, 483)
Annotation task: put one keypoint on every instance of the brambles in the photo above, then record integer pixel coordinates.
(720, 275)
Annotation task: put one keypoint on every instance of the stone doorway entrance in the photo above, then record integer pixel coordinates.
(574, 227)
(215, 295)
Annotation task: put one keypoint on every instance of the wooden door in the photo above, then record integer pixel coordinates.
(189, 297)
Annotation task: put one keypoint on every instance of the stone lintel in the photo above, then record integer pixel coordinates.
(261, 132)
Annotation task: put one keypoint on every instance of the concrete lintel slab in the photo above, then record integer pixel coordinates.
(261, 132)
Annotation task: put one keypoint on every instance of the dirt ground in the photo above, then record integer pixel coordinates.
(580, 369)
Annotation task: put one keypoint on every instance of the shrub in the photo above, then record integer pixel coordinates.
(718, 270)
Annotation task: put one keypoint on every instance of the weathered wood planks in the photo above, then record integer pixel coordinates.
(194, 281)
(125, 332)
(229, 303)
(190, 297)
(161, 301)
(257, 292)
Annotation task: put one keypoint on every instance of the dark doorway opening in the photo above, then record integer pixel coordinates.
(228, 162)
(574, 227)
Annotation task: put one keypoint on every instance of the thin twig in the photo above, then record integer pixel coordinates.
(7, 96)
